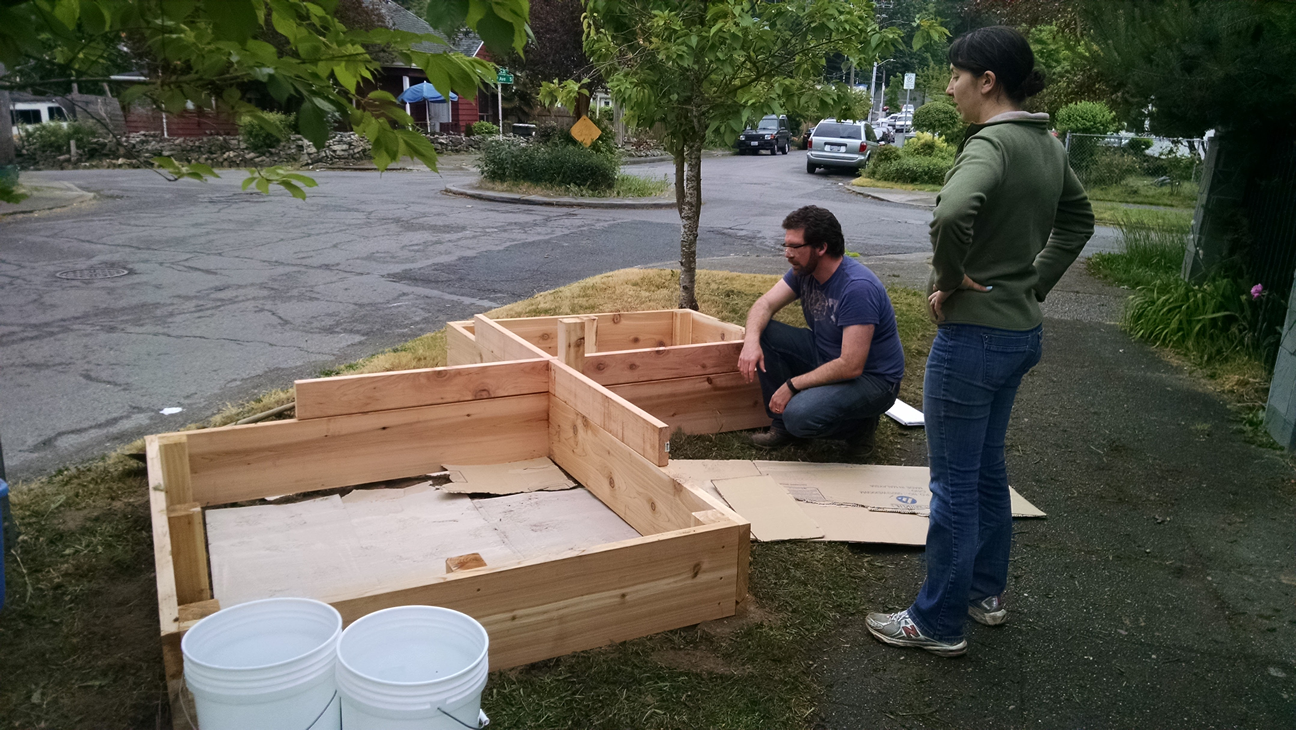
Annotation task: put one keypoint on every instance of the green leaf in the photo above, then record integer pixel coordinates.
(202, 169)
(248, 181)
(235, 20)
(304, 180)
(313, 124)
(177, 10)
(497, 34)
(263, 185)
(67, 12)
(297, 192)
(447, 16)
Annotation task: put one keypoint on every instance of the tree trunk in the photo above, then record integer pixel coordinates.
(679, 181)
(690, 213)
(6, 136)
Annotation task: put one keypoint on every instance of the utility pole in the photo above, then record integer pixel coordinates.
(872, 93)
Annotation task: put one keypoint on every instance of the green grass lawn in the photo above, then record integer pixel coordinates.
(868, 182)
(79, 634)
(627, 186)
(1141, 191)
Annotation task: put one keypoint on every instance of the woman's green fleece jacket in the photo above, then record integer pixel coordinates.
(1012, 215)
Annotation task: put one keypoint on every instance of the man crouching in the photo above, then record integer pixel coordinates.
(836, 378)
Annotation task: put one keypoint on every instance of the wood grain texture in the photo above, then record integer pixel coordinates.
(546, 608)
(498, 344)
(701, 404)
(348, 394)
(237, 463)
(709, 329)
(662, 363)
(632, 425)
(470, 561)
(571, 342)
(461, 346)
(616, 330)
(683, 327)
(168, 604)
(646, 497)
(189, 553)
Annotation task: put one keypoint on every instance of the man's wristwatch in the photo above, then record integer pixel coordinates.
(792, 387)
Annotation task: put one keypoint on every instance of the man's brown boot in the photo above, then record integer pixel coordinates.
(774, 438)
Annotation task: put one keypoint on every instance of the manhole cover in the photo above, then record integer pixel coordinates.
(83, 274)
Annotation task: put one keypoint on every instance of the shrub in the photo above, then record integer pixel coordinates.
(548, 164)
(482, 129)
(939, 117)
(266, 132)
(883, 154)
(51, 140)
(1105, 165)
(1139, 145)
(1086, 117)
(911, 169)
(1207, 320)
(924, 144)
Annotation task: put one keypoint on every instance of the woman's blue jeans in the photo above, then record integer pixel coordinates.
(972, 377)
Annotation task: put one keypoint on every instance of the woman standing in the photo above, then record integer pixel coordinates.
(1009, 221)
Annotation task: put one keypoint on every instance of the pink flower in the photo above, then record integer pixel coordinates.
(1256, 291)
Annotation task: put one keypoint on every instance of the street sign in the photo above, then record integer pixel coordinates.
(908, 84)
(504, 76)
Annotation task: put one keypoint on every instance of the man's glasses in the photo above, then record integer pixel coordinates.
(799, 245)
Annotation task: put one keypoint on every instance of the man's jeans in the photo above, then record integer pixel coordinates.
(835, 411)
(972, 377)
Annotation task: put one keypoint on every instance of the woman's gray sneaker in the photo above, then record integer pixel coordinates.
(897, 629)
(988, 611)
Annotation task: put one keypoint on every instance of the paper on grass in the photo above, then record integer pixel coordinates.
(772, 512)
(512, 478)
(905, 414)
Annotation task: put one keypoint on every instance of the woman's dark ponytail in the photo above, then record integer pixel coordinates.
(1006, 52)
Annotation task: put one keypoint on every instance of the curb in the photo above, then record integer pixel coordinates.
(645, 160)
(50, 195)
(518, 199)
(868, 193)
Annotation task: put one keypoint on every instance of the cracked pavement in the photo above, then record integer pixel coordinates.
(233, 293)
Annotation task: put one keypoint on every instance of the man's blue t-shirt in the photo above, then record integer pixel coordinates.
(852, 295)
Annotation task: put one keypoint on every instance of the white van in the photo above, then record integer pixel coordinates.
(35, 112)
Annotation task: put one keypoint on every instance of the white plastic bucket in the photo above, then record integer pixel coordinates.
(265, 665)
(413, 668)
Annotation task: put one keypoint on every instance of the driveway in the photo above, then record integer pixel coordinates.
(231, 293)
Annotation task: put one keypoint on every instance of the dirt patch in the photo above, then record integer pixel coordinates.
(696, 661)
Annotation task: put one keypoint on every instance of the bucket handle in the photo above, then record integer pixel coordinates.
(193, 724)
(482, 720)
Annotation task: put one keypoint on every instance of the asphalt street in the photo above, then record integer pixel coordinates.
(231, 293)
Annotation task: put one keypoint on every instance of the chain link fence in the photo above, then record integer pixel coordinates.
(1138, 169)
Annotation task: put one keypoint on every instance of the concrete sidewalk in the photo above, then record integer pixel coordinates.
(916, 198)
(46, 195)
(1159, 592)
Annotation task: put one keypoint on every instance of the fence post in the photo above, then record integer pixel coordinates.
(1280, 410)
(1067, 144)
(1222, 187)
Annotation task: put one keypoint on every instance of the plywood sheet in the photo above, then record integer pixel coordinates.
(513, 478)
(773, 513)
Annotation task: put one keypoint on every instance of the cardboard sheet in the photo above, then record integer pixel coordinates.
(375, 540)
(855, 524)
(849, 502)
(551, 523)
(905, 414)
(773, 513)
(882, 488)
(512, 478)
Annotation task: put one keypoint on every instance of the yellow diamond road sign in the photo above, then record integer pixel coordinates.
(585, 131)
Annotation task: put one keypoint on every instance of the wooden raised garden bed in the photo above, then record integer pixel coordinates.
(689, 565)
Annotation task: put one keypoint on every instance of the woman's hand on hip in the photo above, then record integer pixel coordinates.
(938, 297)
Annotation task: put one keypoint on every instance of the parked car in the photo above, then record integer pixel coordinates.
(903, 122)
(805, 138)
(838, 143)
(771, 133)
(35, 112)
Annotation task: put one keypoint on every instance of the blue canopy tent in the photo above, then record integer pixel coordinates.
(427, 94)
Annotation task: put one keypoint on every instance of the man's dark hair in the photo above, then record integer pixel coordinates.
(820, 226)
(1006, 52)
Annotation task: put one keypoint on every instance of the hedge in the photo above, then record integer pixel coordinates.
(548, 164)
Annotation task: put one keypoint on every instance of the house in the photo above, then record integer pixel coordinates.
(452, 116)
